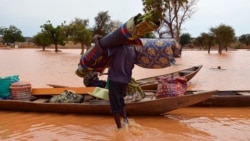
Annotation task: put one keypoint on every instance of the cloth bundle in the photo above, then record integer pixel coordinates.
(134, 92)
(152, 53)
(5, 83)
(157, 53)
(67, 96)
(95, 59)
(169, 87)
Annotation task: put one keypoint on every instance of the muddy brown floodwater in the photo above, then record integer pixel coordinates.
(189, 124)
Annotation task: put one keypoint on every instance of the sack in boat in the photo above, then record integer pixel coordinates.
(5, 84)
(67, 96)
(133, 92)
(169, 87)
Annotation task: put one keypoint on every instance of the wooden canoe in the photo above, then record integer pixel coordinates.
(151, 83)
(147, 106)
(227, 98)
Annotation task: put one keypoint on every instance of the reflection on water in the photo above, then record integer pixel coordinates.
(189, 124)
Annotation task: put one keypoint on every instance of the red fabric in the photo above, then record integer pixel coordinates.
(95, 60)
(168, 87)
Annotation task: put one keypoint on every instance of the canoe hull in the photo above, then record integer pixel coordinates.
(233, 98)
(142, 108)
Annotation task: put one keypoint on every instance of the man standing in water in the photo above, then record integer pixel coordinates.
(119, 75)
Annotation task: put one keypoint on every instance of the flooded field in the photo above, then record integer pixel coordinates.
(189, 124)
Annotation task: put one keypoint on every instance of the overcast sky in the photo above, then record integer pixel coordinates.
(29, 15)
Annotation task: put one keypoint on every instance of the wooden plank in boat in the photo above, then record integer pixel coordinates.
(55, 91)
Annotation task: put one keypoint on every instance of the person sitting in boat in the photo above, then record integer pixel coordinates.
(91, 79)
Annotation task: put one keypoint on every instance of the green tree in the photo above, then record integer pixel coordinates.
(156, 5)
(55, 34)
(11, 34)
(174, 13)
(207, 40)
(224, 35)
(78, 32)
(103, 24)
(185, 39)
(198, 42)
(245, 39)
(42, 39)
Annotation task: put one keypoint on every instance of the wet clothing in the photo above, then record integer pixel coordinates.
(122, 63)
(117, 92)
(119, 75)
